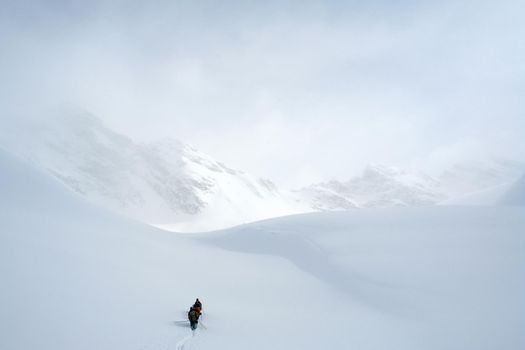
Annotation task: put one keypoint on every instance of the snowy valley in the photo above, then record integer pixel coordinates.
(262, 175)
(75, 276)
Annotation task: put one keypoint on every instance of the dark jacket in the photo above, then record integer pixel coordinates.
(193, 315)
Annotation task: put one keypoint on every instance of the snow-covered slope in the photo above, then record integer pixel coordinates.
(487, 197)
(428, 278)
(475, 176)
(516, 193)
(164, 182)
(377, 187)
(77, 277)
(512, 193)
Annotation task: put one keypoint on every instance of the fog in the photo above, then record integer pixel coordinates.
(294, 91)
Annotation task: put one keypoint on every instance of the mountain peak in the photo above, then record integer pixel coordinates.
(161, 182)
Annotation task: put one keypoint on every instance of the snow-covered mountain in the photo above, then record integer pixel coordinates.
(380, 187)
(507, 194)
(164, 183)
(475, 176)
(75, 276)
(174, 186)
(377, 187)
(327, 196)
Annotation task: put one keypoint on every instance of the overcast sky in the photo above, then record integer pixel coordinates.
(294, 91)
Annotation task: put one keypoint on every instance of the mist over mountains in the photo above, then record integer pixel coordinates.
(164, 182)
(173, 185)
(378, 187)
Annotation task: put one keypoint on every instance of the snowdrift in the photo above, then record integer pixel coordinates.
(77, 277)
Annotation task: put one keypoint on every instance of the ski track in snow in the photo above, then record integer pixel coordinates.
(181, 345)
(170, 339)
(163, 341)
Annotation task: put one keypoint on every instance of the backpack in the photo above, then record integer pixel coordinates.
(193, 315)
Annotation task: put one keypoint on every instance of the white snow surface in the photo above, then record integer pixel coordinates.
(510, 194)
(492, 196)
(516, 194)
(78, 277)
(476, 176)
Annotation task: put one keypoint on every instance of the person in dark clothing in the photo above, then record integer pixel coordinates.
(193, 316)
(198, 306)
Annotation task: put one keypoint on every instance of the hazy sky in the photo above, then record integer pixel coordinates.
(295, 91)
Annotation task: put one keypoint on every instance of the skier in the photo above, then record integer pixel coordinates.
(193, 316)
(198, 306)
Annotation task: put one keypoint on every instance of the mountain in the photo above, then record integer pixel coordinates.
(174, 186)
(327, 196)
(377, 187)
(75, 276)
(475, 176)
(491, 196)
(468, 183)
(163, 183)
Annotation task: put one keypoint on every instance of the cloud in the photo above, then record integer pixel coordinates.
(297, 91)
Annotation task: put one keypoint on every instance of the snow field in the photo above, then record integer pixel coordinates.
(78, 277)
